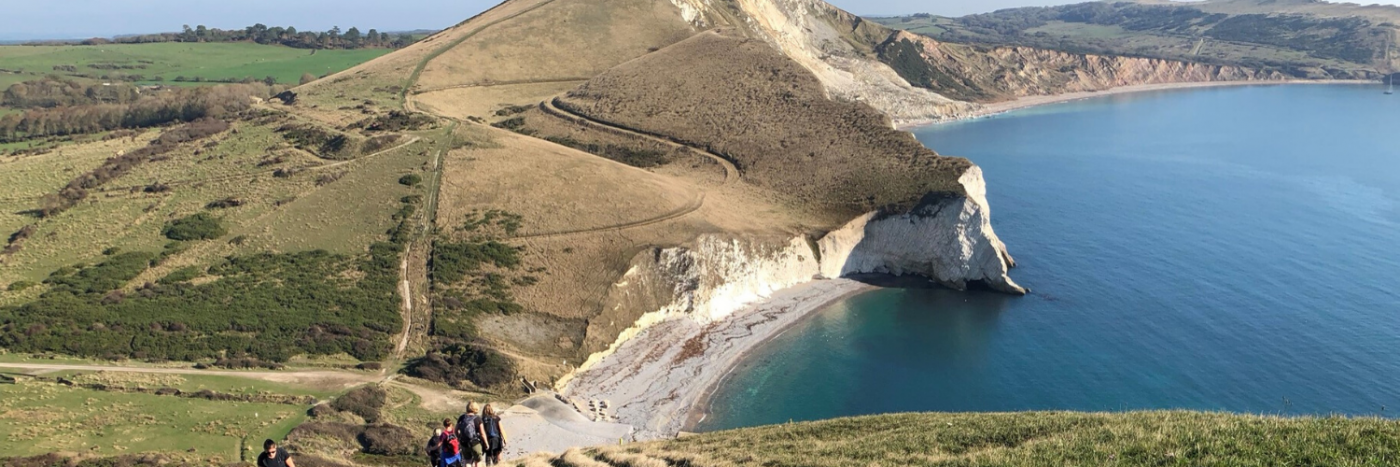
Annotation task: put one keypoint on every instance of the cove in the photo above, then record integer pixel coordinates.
(1227, 249)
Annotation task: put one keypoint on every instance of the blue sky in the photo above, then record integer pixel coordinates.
(67, 19)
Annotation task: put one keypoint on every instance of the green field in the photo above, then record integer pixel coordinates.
(1023, 439)
(168, 60)
(40, 417)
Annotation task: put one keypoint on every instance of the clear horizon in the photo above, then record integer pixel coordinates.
(82, 19)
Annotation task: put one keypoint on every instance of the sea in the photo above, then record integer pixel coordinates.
(1227, 249)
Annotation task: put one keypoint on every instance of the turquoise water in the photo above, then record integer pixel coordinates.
(1232, 249)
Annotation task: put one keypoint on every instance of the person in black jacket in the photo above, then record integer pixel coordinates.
(434, 449)
(273, 456)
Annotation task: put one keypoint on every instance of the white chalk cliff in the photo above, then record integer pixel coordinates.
(946, 239)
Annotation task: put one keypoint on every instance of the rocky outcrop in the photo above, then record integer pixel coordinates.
(948, 239)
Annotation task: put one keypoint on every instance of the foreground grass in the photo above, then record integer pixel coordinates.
(210, 61)
(38, 417)
(1025, 439)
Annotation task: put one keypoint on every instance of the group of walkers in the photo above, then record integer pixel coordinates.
(476, 436)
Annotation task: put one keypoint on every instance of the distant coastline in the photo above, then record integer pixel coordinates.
(997, 108)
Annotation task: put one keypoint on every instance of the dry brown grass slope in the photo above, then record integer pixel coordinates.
(746, 101)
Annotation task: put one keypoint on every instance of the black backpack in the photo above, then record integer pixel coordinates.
(492, 426)
(467, 428)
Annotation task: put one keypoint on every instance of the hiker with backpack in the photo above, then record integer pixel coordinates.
(495, 437)
(450, 449)
(472, 435)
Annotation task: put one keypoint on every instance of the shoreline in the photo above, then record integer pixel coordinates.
(661, 381)
(701, 410)
(1026, 102)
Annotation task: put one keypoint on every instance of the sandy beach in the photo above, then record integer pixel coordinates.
(658, 381)
(997, 108)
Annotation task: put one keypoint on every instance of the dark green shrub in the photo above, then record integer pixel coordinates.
(185, 274)
(365, 401)
(20, 285)
(452, 261)
(201, 226)
(410, 180)
(388, 440)
(454, 363)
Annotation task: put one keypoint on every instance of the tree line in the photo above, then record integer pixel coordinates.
(259, 33)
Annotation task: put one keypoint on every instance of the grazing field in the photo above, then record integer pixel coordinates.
(1021, 439)
(167, 61)
(38, 417)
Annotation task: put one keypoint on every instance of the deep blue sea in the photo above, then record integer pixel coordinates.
(1227, 249)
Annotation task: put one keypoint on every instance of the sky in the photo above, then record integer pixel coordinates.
(75, 19)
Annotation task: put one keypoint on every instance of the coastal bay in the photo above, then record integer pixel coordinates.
(1213, 249)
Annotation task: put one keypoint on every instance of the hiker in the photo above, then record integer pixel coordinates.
(273, 456)
(495, 437)
(472, 434)
(434, 449)
(449, 448)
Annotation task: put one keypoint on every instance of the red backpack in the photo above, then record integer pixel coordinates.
(450, 445)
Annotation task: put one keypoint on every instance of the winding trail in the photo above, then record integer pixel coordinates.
(422, 243)
(731, 172)
(407, 294)
(331, 376)
(423, 64)
(491, 84)
(670, 216)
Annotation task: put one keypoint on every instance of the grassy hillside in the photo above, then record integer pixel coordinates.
(1298, 38)
(255, 240)
(1021, 439)
(166, 61)
(768, 115)
(38, 417)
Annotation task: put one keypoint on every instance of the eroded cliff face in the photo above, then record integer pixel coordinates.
(836, 46)
(915, 78)
(703, 282)
(1003, 73)
(948, 239)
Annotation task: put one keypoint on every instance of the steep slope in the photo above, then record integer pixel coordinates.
(749, 103)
